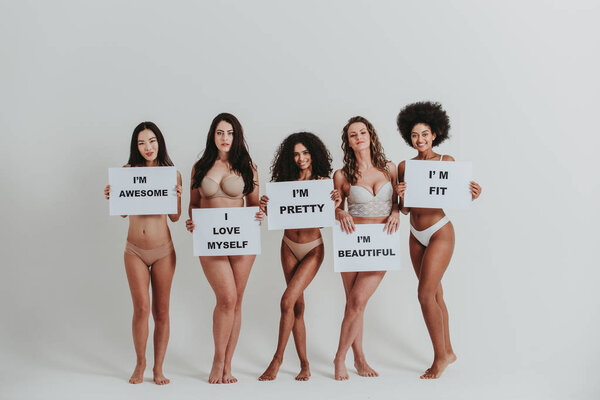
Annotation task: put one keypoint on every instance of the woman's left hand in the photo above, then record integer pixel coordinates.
(337, 199)
(260, 216)
(392, 223)
(179, 190)
(475, 190)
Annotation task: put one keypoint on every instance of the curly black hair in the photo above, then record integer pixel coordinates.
(284, 168)
(424, 112)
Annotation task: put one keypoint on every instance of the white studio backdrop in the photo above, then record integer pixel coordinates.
(518, 79)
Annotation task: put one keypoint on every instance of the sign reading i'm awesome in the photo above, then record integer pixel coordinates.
(300, 204)
(437, 184)
(368, 248)
(226, 231)
(142, 190)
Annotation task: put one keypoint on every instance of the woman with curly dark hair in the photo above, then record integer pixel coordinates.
(424, 125)
(367, 181)
(301, 156)
(225, 176)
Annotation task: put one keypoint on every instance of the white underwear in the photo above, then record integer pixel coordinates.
(425, 235)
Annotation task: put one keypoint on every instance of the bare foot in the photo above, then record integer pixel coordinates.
(227, 377)
(364, 369)
(451, 358)
(304, 374)
(138, 373)
(271, 372)
(159, 378)
(341, 373)
(216, 373)
(437, 368)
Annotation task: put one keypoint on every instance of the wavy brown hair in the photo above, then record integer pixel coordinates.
(378, 158)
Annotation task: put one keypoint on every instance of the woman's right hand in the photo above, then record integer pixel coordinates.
(107, 192)
(346, 220)
(400, 189)
(263, 203)
(189, 225)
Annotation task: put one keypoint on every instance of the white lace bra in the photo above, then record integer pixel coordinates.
(361, 203)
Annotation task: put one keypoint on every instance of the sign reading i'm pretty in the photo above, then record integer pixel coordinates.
(142, 190)
(226, 231)
(437, 184)
(300, 204)
(368, 248)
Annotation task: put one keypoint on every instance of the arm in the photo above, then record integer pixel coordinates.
(393, 221)
(252, 197)
(346, 220)
(178, 188)
(401, 187)
(195, 199)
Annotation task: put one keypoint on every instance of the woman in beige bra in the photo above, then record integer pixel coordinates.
(366, 181)
(150, 257)
(423, 126)
(224, 177)
(302, 156)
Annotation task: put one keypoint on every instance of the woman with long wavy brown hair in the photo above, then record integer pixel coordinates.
(367, 181)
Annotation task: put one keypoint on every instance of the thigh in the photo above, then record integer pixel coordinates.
(138, 277)
(348, 279)
(219, 274)
(161, 279)
(306, 270)
(417, 250)
(365, 284)
(437, 257)
(288, 262)
(241, 267)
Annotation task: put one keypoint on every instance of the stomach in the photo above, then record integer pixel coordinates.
(423, 218)
(148, 231)
(370, 220)
(304, 235)
(221, 202)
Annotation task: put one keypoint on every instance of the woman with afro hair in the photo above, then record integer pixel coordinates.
(302, 156)
(424, 125)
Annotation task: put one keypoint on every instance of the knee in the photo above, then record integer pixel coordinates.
(299, 309)
(287, 303)
(426, 296)
(141, 309)
(161, 315)
(356, 304)
(227, 302)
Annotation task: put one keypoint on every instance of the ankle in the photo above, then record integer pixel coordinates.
(278, 358)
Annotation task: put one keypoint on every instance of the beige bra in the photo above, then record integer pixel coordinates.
(231, 187)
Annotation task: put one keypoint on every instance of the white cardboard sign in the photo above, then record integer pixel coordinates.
(368, 248)
(437, 184)
(300, 204)
(226, 231)
(142, 190)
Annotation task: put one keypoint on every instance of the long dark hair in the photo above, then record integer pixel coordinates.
(284, 168)
(135, 157)
(378, 159)
(239, 158)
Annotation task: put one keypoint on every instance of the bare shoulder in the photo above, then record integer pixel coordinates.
(339, 175)
(390, 166)
(448, 157)
(127, 166)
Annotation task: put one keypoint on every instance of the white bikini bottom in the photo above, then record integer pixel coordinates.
(425, 235)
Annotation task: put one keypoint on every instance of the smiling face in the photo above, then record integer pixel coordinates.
(421, 137)
(359, 137)
(224, 136)
(147, 145)
(302, 157)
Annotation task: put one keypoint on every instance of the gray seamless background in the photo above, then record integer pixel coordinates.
(517, 78)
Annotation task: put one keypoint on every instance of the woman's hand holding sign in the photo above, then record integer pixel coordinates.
(189, 225)
(475, 190)
(346, 220)
(400, 189)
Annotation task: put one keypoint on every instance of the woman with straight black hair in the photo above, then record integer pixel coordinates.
(150, 257)
(225, 176)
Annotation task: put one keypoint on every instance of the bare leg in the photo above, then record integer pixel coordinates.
(363, 288)
(299, 332)
(161, 278)
(138, 277)
(241, 267)
(220, 276)
(435, 260)
(298, 278)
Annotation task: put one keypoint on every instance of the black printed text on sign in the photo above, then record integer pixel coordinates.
(142, 190)
(226, 231)
(300, 204)
(437, 184)
(368, 248)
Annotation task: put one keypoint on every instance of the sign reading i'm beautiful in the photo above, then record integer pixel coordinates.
(368, 248)
(226, 231)
(300, 204)
(437, 184)
(142, 190)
